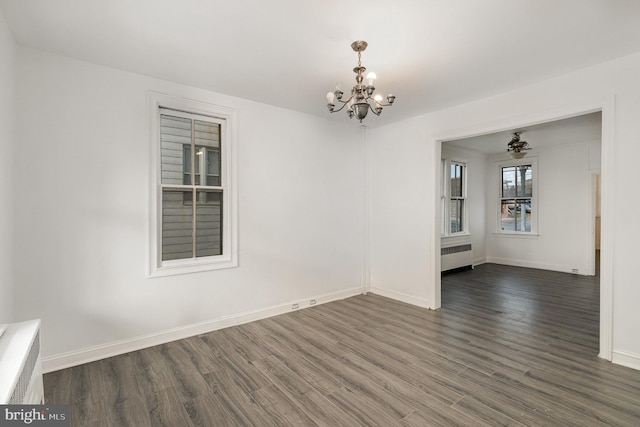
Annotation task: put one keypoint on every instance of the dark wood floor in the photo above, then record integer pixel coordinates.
(511, 346)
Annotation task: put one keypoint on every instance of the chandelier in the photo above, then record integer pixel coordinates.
(360, 101)
(516, 147)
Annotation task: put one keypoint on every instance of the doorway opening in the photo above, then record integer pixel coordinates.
(596, 154)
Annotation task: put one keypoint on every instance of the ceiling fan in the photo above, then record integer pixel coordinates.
(517, 146)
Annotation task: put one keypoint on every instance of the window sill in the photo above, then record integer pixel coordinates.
(514, 235)
(173, 268)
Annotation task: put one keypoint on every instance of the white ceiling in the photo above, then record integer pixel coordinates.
(580, 129)
(430, 53)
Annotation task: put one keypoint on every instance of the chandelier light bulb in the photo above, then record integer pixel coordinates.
(378, 98)
(331, 97)
(371, 78)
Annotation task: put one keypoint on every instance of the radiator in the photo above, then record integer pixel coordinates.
(456, 257)
(20, 365)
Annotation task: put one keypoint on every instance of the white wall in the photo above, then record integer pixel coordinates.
(82, 178)
(564, 240)
(7, 142)
(403, 213)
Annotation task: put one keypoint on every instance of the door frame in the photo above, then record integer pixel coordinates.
(607, 107)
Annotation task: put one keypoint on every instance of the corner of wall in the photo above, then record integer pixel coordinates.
(7, 142)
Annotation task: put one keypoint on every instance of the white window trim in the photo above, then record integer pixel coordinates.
(443, 197)
(229, 143)
(533, 161)
(446, 199)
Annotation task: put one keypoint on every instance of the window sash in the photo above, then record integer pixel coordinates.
(197, 135)
(456, 215)
(517, 181)
(516, 215)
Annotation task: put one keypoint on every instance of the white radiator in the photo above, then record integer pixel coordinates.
(20, 365)
(453, 257)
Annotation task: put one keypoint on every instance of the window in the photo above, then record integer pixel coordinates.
(193, 196)
(454, 195)
(456, 198)
(517, 198)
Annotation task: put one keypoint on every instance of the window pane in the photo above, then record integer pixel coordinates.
(516, 215)
(456, 180)
(213, 166)
(209, 223)
(509, 182)
(208, 139)
(523, 215)
(175, 138)
(177, 224)
(456, 212)
(187, 169)
(507, 216)
(524, 182)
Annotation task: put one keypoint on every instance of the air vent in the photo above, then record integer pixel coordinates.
(455, 257)
(455, 249)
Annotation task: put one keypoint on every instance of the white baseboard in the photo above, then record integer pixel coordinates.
(479, 261)
(402, 297)
(630, 360)
(91, 354)
(533, 264)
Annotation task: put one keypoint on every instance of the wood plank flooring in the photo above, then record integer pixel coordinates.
(511, 346)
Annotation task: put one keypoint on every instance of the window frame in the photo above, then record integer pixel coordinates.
(446, 199)
(533, 161)
(228, 175)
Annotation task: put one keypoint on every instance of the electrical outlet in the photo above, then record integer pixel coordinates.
(295, 306)
(312, 302)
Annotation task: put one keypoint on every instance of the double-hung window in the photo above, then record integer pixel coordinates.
(193, 196)
(454, 199)
(457, 197)
(517, 198)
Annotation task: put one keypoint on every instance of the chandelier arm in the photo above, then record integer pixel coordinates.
(378, 104)
(344, 104)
